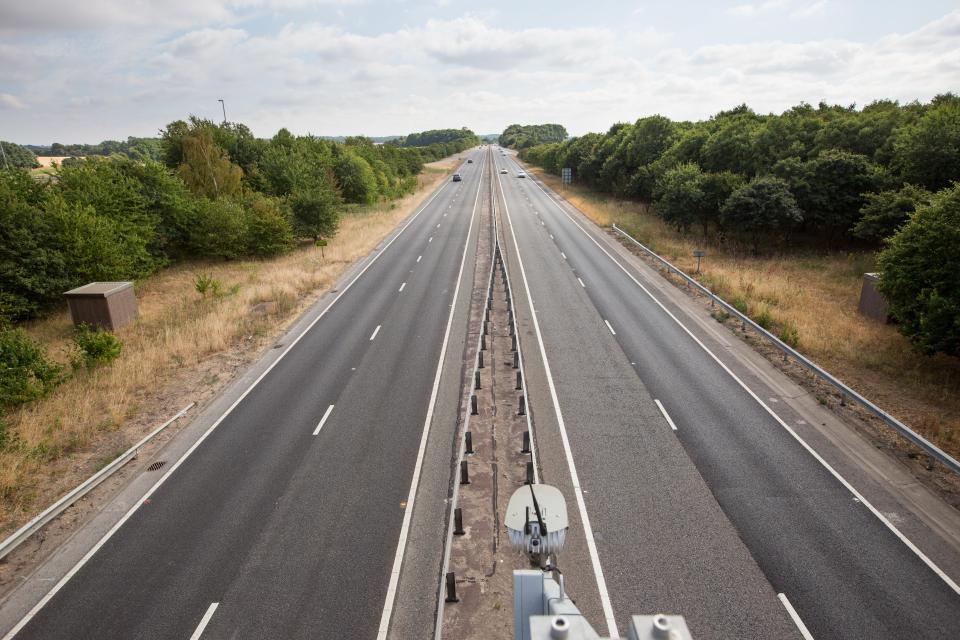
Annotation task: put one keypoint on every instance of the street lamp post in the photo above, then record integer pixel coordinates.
(220, 100)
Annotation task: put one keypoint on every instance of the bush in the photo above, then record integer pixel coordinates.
(25, 371)
(919, 271)
(219, 230)
(269, 232)
(95, 347)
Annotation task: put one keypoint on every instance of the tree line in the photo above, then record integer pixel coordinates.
(522, 136)
(216, 191)
(882, 176)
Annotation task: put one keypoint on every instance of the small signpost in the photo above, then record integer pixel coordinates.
(698, 254)
(566, 175)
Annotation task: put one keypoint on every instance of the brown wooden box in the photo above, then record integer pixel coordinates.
(109, 305)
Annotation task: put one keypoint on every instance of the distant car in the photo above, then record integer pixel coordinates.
(456, 177)
(470, 161)
(521, 174)
(504, 171)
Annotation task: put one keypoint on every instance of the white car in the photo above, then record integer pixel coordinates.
(521, 174)
(503, 171)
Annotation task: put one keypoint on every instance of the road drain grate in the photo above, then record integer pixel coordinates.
(156, 465)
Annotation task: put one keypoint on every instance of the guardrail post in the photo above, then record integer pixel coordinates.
(473, 405)
(468, 441)
(529, 473)
(526, 442)
(519, 381)
(516, 359)
(522, 409)
(458, 522)
(464, 472)
(480, 360)
(476, 379)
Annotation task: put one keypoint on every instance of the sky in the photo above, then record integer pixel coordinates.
(77, 71)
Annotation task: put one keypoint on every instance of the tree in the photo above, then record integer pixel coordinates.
(269, 232)
(315, 211)
(680, 195)
(762, 207)
(17, 156)
(356, 179)
(884, 212)
(927, 152)
(918, 275)
(206, 169)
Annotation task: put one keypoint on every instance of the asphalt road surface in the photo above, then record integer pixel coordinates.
(284, 522)
(844, 571)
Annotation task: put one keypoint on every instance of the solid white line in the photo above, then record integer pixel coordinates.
(882, 518)
(795, 616)
(574, 478)
(326, 414)
(415, 480)
(581, 283)
(400, 290)
(418, 258)
(563, 255)
(204, 621)
(609, 326)
(375, 332)
(66, 578)
(665, 414)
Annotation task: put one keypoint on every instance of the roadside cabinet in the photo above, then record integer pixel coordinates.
(872, 303)
(108, 305)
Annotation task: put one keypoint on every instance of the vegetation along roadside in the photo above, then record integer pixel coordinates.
(227, 236)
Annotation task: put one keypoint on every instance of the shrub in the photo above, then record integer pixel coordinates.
(25, 371)
(919, 275)
(764, 319)
(789, 334)
(739, 304)
(269, 232)
(95, 347)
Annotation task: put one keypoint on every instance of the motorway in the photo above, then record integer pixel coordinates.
(615, 351)
(284, 520)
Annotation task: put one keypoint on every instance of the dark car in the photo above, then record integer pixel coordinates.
(456, 177)
(470, 161)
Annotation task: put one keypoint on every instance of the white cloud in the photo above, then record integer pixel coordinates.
(752, 9)
(8, 101)
(814, 9)
(328, 78)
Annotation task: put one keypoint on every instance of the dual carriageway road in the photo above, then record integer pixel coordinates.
(289, 517)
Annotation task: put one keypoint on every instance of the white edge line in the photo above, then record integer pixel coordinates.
(375, 332)
(574, 478)
(415, 480)
(665, 414)
(204, 621)
(418, 258)
(903, 538)
(609, 326)
(66, 578)
(563, 255)
(323, 420)
(581, 283)
(400, 290)
(795, 617)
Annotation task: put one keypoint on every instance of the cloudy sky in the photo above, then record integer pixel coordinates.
(87, 70)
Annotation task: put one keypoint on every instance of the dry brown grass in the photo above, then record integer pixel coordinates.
(177, 329)
(811, 300)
